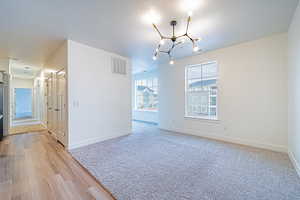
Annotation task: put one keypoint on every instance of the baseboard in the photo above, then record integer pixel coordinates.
(95, 140)
(146, 122)
(271, 147)
(295, 162)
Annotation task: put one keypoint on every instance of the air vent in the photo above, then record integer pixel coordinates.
(118, 65)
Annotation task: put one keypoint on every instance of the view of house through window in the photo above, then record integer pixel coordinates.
(146, 94)
(201, 90)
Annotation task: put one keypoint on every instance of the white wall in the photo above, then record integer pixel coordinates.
(4, 65)
(147, 116)
(294, 89)
(252, 94)
(59, 59)
(21, 83)
(99, 101)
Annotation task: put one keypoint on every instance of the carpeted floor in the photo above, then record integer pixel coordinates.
(158, 165)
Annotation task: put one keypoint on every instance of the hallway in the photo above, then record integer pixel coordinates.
(35, 166)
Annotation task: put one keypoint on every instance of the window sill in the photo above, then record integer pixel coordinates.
(151, 111)
(212, 120)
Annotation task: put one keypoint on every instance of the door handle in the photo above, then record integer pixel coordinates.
(56, 109)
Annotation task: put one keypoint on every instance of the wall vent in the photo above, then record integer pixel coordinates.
(118, 65)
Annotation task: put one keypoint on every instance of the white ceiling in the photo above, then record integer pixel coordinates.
(24, 71)
(31, 30)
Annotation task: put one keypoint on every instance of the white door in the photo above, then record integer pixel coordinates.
(50, 105)
(61, 106)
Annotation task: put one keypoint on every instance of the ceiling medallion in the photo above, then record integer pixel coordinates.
(176, 40)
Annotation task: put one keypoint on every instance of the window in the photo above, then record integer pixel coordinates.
(23, 103)
(202, 91)
(146, 94)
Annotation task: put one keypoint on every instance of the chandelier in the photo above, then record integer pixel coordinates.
(176, 40)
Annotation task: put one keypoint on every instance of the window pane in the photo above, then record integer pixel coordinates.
(201, 93)
(213, 111)
(213, 101)
(155, 82)
(209, 70)
(194, 72)
(146, 95)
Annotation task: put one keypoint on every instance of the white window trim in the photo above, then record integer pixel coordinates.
(216, 119)
(151, 111)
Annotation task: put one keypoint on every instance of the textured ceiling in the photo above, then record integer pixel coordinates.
(31, 30)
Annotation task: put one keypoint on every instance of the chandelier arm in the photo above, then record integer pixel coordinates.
(173, 30)
(158, 47)
(155, 27)
(173, 45)
(190, 38)
(184, 35)
(164, 52)
(188, 24)
(171, 49)
(178, 43)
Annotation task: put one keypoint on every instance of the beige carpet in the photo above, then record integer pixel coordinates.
(27, 128)
(152, 164)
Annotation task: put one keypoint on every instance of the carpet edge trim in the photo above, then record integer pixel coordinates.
(296, 164)
(89, 173)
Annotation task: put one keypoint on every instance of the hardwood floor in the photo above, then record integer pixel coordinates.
(35, 166)
(26, 129)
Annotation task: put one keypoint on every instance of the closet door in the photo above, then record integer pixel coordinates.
(50, 105)
(61, 106)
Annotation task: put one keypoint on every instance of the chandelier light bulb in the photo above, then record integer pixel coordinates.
(190, 13)
(195, 49)
(154, 57)
(171, 62)
(162, 42)
(156, 49)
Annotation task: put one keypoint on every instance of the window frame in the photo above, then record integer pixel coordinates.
(136, 96)
(216, 118)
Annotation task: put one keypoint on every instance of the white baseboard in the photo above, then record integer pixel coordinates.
(271, 147)
(95, 140)
(294, 161)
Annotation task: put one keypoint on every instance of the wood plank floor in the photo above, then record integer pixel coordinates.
(26, 129)
(35, 166)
